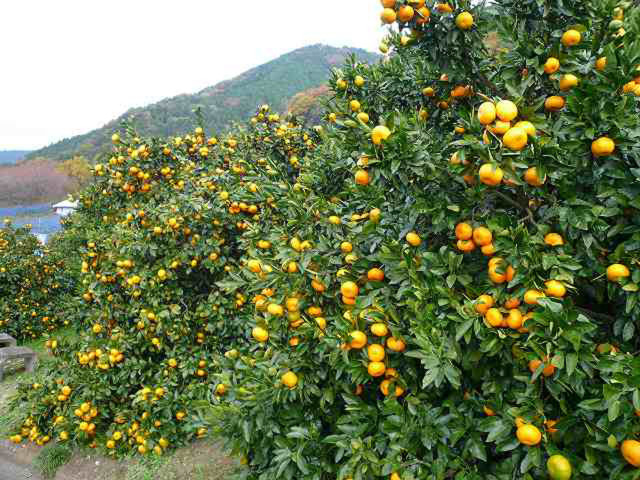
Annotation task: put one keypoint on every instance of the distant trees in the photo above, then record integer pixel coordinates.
(78, 171)
(42, 180)
(308, 104)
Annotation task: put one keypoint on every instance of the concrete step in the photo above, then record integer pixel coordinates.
(9, 354)
(7, 340)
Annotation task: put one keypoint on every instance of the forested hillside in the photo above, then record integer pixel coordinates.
(275, 83)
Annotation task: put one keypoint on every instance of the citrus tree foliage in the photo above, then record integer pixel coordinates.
(157, 230)
(441, 282)
(454, 292)
(33, 285)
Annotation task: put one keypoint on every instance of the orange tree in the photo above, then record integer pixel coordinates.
(157, 230)
(454, 291)
(33, 285)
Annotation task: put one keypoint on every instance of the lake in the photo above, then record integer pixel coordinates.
(41, 216)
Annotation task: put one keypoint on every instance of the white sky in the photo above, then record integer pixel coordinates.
(69, 66)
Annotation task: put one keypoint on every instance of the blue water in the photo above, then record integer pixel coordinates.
(40, 216)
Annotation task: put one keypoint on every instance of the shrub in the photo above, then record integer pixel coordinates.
(465, 304)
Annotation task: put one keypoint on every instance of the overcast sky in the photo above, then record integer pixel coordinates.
(69, 66)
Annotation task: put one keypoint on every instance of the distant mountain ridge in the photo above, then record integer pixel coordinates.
(12, 156)
(275, 82)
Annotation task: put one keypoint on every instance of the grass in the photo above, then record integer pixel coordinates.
(10, 418)
(51, 458)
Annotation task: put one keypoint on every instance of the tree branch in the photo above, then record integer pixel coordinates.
(511, 201)
(601, 316)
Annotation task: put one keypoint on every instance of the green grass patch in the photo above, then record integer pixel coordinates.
(51, 458)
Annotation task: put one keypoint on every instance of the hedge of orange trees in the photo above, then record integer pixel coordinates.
(34, 285)
(441, 282)
(157, 232)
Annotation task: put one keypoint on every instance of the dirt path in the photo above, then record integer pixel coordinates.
(15, 464)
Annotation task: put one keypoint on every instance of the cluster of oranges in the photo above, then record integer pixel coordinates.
(376, 352)
(414, 14)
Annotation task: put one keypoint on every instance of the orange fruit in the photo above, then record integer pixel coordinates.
(514, 319)
(602, 147)
(395, 344)
(629, 87)
(512, 303)
(488, 412)
(500, 127)
(388, 15)
(486, 113)
(552, 65)
(531, 297)
(428, 91)
(520, 421)
(549, 426)
(630, 450)
(380, 133)
(494, 275)
(494, 317)
(379, 330)
(483, 303)
(554, 103)
(376, 369)
(384, 388)
(346, 247)
(482, 236)
(529, 435)
(388, 3)
(548, 369)
(463, 231)
(506, 110)
(289, 380)
(375, 352)
(527, 127)
(464, 21)
(348, 300)
(571, 38)
(375, 275)
(460, 91)
(488, 249)
(362, 177)
(553, 239)
(526, 317)
(490, 175)
(567, 82)
(317, 285)
(601, 63)
(466, 246)
(405, 13)
(559, 467)
(413, 239)
(349, 289)
(391, 372)
(443, 7)
(617, 271)
(423, 15)
(555, 288)
(532, 178)
(515, 139)
(358, 339)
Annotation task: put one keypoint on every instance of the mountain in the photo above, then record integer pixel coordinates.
(275, 83)
(12, 156)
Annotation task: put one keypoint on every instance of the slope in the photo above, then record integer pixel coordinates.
(275, 83)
